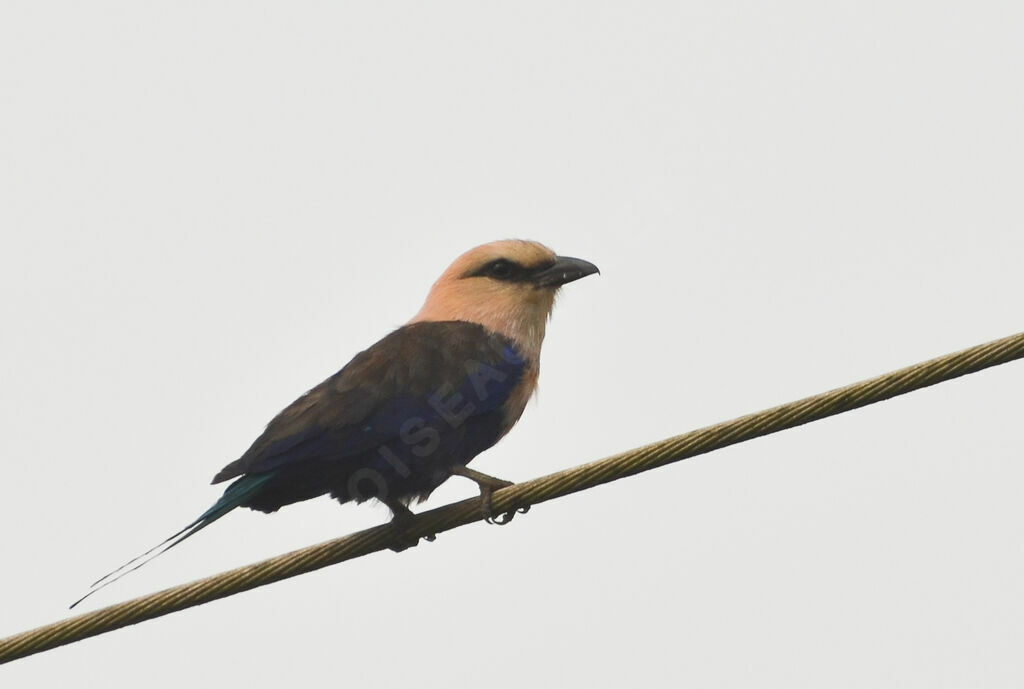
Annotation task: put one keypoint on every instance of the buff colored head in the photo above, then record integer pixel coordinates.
(509, 287)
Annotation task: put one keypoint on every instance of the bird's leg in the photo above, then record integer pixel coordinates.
(401, 518)
(489, 484)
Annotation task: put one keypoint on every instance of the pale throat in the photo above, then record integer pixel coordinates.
(523, 321)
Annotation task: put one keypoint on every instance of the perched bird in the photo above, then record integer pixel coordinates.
(411, 411)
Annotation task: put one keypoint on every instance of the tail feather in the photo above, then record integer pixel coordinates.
(237, 493)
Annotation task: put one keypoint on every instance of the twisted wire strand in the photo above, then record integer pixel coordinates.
(520, 495)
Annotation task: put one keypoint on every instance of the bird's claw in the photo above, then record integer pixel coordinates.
(404, 541)
(485, 507)
(506, 517)
(403, 544)
(487, 485)
(401, 519)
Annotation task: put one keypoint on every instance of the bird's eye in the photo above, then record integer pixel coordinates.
(500, 269)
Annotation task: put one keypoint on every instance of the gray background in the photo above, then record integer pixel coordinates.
(209, 207)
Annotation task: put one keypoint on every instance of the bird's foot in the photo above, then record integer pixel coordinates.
(401, 518)
(503, 518)
(489, 484)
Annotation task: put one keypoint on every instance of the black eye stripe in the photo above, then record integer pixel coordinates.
(501, 269)
(506, 270)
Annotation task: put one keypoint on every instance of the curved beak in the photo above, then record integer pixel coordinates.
(565, 270)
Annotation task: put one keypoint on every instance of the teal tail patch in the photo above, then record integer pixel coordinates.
(236, 494)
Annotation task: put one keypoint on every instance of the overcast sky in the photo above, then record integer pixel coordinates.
(209, 207)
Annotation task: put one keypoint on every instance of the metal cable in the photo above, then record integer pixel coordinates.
(520, 495)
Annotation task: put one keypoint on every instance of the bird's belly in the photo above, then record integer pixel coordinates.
(411, 471)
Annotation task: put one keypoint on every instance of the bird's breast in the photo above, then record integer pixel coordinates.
(520, 396)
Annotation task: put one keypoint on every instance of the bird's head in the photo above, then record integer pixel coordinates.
(509, 287)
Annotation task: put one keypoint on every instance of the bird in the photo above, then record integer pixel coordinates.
(412, 410)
